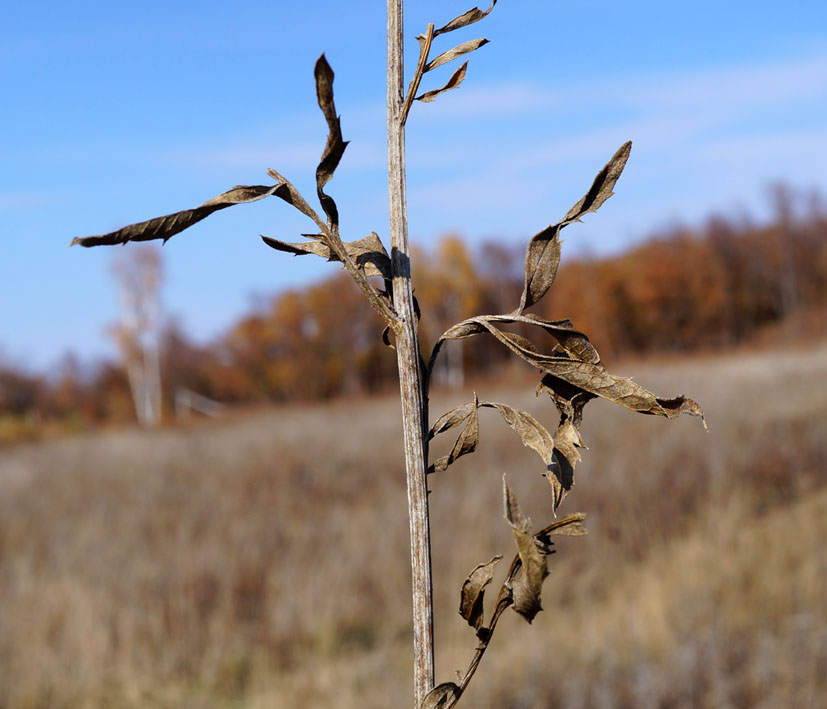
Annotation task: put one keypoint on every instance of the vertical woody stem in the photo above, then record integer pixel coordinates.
(410, 375)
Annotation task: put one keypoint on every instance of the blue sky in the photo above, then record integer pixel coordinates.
(118, 112)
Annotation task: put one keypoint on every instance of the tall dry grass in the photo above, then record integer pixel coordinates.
(263, 562)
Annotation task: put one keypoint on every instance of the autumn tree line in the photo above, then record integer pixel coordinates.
(680, 290)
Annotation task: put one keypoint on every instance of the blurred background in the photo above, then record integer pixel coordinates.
(198, 442)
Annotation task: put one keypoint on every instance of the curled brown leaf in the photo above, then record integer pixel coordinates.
(443, 696)
(466, 442)
(172, 224)
(368, 254)
(542, 257)
(473, 590)
(528, 584)
(335, 146)
(457, 51)
(465, 19)
(456, 79)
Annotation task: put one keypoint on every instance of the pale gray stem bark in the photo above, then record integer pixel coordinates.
(410, 375)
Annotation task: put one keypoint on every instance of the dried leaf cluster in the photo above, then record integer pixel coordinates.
(571, 373)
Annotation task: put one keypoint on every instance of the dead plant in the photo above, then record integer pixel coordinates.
(571, 372)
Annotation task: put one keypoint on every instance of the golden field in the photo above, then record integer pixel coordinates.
(262, 560)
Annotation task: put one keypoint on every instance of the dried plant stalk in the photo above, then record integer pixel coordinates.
(410, 375)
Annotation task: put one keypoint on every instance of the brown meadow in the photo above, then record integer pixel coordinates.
(263, 560)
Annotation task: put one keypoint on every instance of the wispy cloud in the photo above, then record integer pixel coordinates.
(715, 135)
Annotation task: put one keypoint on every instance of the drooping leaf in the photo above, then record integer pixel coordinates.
(569, 401)
(570, 526)
(457, 51)
(335, 146)
(621, 390)
(543, 253)
(528, 585)
(443, 696)
(468, 439)
(473, 590)
(451, 419)
(589, 374)
(172, 224)
(368, 253)
(573, 341)
(529, 429)
(290, 194)
(535, 436)
(456, 79)
(465, 19)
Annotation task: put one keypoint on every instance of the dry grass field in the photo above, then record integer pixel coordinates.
(262, 561)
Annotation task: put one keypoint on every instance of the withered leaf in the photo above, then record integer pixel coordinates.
(443, 696)
(465, 19)
(457, 51)
(467, 441)
(587, 374)
(573, 341)
(456, 79)
(529, 429)
(621, 390)
(570, 526)
(335, 146)
(473, 590)
(543, 253)
(535, 436)
(368, 253)
(172, 224)
(452, 418)
(528, 585)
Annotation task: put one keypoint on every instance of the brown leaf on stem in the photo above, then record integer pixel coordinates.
(587, 373)
(528, 585)
(543, 253)
(172, 224)
(335, 146)
(473, 590)
(456, 79)
(443, 696)
(465, 19)
(368, 253)
(468, 439)
(457, 51)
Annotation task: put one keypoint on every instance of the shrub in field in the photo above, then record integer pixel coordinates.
(571, 373)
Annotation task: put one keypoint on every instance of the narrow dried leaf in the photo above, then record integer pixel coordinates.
(443, 696)
(590, 376)
(467, 442)
(465, 19)
(171, 224)
(451, 419)
(473, 590)
(543, 253)
(456, 79)
(529, 429)
(335, 146)
(368, 253)
(571, 526)
(290, 194)
(621, 390)
(457, 51)
(574, 342)
(527, 586)
(535, 436)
